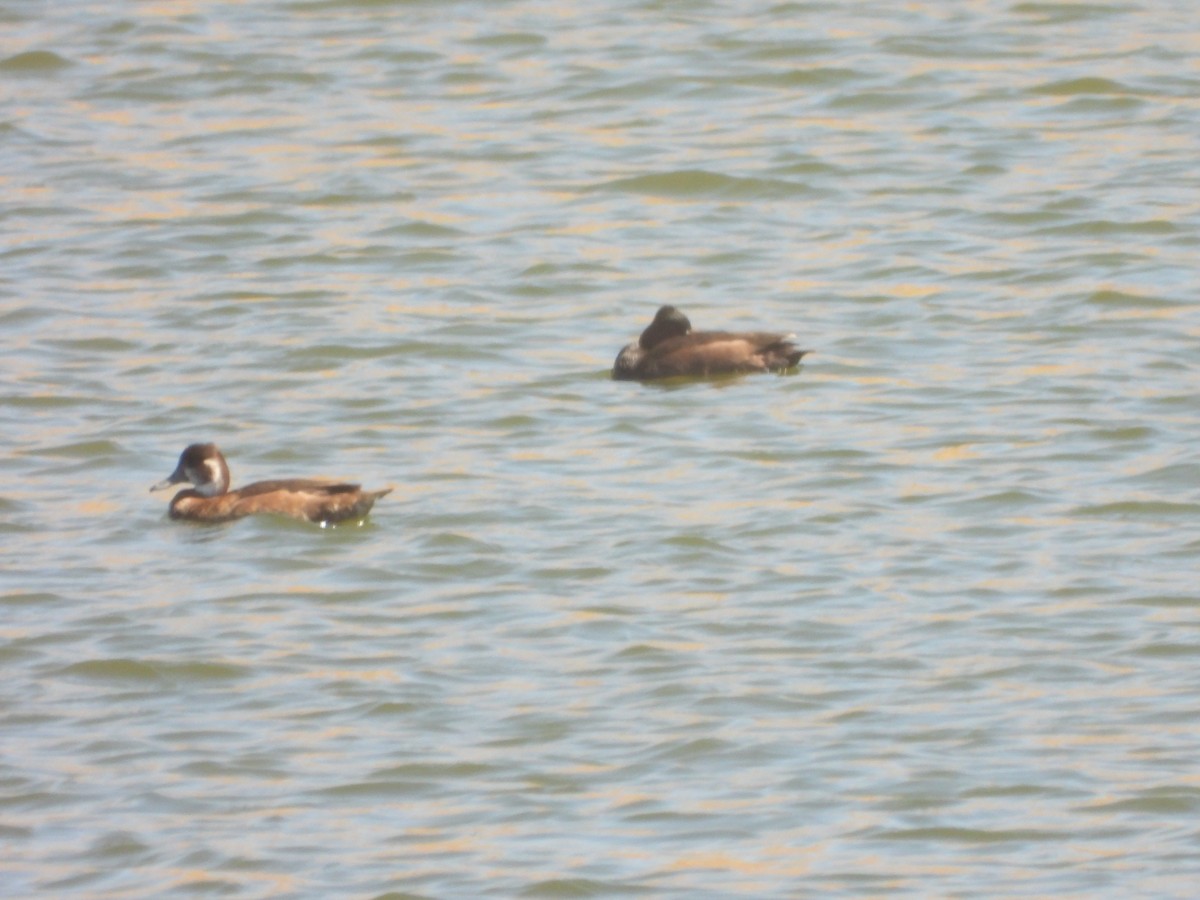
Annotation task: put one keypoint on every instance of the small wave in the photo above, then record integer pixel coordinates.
(1108, 228)
(34, 62)
(699, 183)
(1139, 509)
(1073, 86)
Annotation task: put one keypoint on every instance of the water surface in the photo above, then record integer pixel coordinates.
(919, 619)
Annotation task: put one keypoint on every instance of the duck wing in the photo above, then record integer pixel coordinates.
(298, 485)
(308, 499)
(721, 352)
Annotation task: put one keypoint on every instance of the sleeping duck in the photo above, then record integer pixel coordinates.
(668, 347)
(210, 500)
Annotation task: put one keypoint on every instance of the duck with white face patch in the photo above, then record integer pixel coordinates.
(209, 499)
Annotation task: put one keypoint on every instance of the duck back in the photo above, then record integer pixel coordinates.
(312, 501)
(706, 353)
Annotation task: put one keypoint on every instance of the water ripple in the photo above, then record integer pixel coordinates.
(915, 619)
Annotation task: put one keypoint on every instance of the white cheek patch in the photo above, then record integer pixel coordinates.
(210, 485)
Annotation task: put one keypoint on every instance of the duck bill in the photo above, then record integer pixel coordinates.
(176, 477)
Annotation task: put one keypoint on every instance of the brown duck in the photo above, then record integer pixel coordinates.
(668, 348)
(210, 500)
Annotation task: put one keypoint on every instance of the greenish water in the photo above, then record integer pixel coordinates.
(918, 620)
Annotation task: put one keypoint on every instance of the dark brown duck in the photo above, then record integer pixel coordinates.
(210, 500)
(669, 348)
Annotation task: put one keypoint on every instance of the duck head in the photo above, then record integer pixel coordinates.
(668, 323)
(203, 467)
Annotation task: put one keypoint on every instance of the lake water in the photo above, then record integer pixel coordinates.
(920, 619)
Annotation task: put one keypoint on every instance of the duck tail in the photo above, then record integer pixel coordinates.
(783, 354)
(794, 356)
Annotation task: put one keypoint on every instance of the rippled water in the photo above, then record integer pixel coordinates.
(920, 619)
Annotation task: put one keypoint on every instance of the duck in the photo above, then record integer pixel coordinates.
(669, 348)
(210, 500)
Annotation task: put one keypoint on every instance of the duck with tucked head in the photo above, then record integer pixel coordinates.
(210, 500)
(669, 348)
